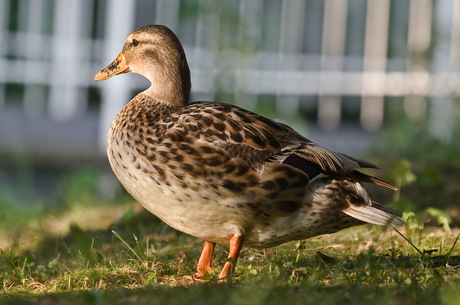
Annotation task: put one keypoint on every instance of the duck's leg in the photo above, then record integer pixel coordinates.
(205, 261)
(236, 243)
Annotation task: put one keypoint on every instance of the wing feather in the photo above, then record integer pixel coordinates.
(258, 140)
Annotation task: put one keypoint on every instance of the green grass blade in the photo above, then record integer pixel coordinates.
(453, 247)
(23, 274)
(126, 244)
(418, 250)
(140, 247)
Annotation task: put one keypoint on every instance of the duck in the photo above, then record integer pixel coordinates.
(224, 174)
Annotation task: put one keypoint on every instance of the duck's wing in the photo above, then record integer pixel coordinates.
(259, 141)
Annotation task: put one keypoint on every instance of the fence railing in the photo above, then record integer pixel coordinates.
(290, 48)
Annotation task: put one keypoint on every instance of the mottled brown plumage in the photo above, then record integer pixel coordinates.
(222, 173)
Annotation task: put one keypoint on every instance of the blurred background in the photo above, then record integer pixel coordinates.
(374, 78)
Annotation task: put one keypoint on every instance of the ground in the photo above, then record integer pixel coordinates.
(133, 258)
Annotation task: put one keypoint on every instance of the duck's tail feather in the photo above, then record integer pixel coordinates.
(361, 177)
(375, 214)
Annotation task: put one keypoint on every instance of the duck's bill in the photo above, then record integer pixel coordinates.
(118, 66)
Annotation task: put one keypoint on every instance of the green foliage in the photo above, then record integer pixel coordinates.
(415, 220)
(402, 173)
(412, 221)
(441, 217)
(433, 162)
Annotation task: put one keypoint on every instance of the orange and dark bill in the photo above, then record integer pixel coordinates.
(118, 66)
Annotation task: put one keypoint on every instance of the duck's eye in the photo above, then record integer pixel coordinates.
(135, 42)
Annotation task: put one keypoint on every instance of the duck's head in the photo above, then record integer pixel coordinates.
(154, 52)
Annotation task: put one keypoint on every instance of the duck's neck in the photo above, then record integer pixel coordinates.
(145, 104)
(171, 86)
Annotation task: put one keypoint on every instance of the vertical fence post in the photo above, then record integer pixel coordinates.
(455, 36)
(418, 43)
(206, 45)
(65, 99)
(115, 93)
(375, 55)
(34, 95)
(291, 38)
(441, 117)
(249, 32)
(167, 13)
(4, 9)
(333, 47)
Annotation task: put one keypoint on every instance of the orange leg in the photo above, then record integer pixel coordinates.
(205, 261)
(236, 243)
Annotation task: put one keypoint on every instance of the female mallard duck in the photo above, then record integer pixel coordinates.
(222, 173)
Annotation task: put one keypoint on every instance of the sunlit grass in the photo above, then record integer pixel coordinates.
(133, 257)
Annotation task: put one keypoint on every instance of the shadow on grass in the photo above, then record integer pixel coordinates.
(241, 294)
(77, 240)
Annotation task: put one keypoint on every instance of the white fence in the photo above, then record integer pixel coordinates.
(290, 48)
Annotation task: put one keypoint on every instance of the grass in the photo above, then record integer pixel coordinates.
(138, 259)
